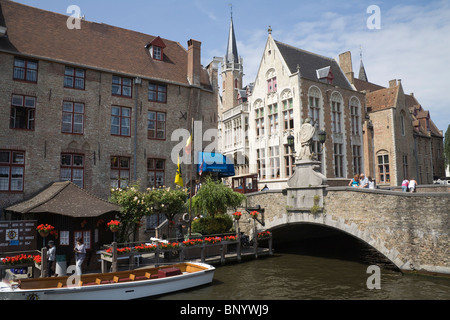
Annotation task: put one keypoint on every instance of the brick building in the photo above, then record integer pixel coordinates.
(292, 85)
(402, 140)
(95, 105)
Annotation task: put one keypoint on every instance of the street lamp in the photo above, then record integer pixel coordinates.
(322, 136)
(290, 142)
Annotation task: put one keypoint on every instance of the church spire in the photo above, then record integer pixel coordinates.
(362, 72)
(232, 53)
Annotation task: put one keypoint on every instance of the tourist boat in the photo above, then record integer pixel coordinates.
(122, 285)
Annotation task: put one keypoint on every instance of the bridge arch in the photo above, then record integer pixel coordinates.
(342, 226)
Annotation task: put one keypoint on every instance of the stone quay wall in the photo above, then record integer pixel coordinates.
(410, 229)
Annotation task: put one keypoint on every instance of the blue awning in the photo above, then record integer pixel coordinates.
(215, 162)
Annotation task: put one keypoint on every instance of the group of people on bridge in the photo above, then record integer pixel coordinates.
(361, 181)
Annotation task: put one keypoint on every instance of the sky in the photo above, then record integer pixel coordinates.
(407, 40)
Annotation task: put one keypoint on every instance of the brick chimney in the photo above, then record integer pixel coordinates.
(194, 62)
(345, 62)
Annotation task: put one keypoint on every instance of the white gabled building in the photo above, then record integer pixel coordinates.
(291, 85)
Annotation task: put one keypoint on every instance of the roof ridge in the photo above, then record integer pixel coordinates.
(87, 21)
(89, 193)
(305, 51)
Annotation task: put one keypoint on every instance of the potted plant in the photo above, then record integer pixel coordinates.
(237, 215)
(114, 225)
(254, 214)
(44, 229)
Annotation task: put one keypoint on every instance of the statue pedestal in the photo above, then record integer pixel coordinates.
(306, 187)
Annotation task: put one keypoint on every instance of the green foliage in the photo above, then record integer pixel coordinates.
(133, 207)
(447, 146)
(214, 198)
(136, 204)
(209, 225)
(169, 201)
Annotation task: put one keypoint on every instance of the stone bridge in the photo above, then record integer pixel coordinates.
(411, 230)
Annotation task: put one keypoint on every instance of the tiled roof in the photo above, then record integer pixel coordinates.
(362, 85)
(67, 199)
(382, 99)
(310, 62)
(44, 34)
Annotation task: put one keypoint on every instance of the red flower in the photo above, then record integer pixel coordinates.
(45, 228)
(113, 224)
(254, 214)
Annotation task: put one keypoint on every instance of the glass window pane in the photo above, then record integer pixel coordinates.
(116, 79)
(126, 81)
(79, 83)
(66, 174)
(114, 162)
(124, 163)
(79, 73)
(126, 112)
(66, 160)
(79, 107)
(18, 158)
(17, 100)
(4, 156)
(115, 89)
(126, 91)
(115, 111)
(19, 62)
(67, 106)
(160, 164)
(78, 160)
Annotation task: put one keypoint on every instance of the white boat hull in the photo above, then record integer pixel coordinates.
(114, 291)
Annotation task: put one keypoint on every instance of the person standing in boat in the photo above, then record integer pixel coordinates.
(80, 254)
(51, 257)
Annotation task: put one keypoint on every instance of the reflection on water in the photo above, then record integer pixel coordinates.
(326, 269)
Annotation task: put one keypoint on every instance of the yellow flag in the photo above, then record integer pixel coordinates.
(179, 176)
(188, 147)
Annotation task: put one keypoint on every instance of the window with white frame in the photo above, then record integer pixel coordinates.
(259, 119)
(273, 118)
(72, 168)
(120, 172)
(22, 112)
(274, 161)
(336, 113)
(86, 236)
(355, 116)
(339, 160)
(314, 106)
(383, 168)
(72, 117)
(261, 163)
(64, 238)
(357, 159)
(288, 114)
(12, 167)
(272, 85)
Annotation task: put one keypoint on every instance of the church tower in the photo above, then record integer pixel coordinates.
(232, 72)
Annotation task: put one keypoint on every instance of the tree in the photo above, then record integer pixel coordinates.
(134, 206)
(447, 147)
(214, 198)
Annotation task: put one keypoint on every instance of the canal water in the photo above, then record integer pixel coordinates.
(330, 268)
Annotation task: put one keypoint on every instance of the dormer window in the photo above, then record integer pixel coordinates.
(157, 53)
(156, 48)
(325, 75)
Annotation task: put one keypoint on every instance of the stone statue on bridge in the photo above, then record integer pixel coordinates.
(306, 135)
